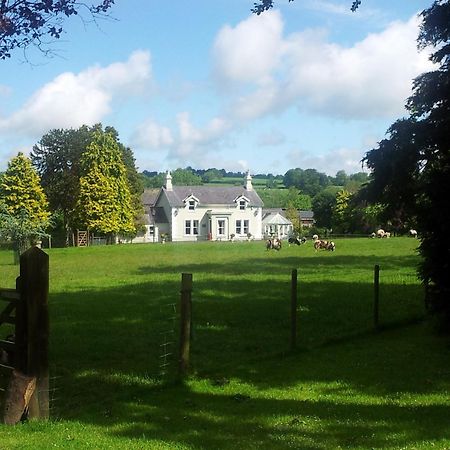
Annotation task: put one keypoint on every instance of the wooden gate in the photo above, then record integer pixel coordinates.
(27, 311)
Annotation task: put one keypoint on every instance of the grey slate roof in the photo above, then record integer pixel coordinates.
(211, 195)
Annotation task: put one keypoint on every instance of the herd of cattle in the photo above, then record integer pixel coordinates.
(274, 243)
(319, 244)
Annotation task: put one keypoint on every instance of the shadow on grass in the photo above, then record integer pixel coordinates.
(271, 261)
(247, 390)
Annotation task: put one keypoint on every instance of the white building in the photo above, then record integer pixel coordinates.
(195, 213)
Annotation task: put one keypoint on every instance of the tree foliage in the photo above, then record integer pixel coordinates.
(20, 189)
(27, 22)
(104, 203)
(411, 167)
(57, 157)
(24, 214)
(264, 5)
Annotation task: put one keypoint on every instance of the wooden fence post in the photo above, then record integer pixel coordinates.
(34, 270)
(185, 322)
(376, 297)
(293, 309)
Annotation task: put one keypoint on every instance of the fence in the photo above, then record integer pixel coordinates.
(305, 316)
(25, 317)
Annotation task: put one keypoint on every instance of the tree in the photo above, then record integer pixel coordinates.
(185, 177)
(57, 157)
(411, 167)
(323, 205)
(342, 212)
(264, 5)
(104, 204)
(24, 207)
(38, 22)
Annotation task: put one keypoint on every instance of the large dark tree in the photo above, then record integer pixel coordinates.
(38, 22)
(411, 167)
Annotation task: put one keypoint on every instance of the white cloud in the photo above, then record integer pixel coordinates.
(271, 139)
(71, 100)
(330, 162)
(370, 79)
(250, 51)
(152, 136)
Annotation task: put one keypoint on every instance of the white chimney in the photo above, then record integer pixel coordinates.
(248, 182)
(168, 181)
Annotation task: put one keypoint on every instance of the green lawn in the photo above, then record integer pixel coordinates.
(346, 386)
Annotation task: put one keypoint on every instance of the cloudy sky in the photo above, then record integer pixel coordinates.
(208, 84)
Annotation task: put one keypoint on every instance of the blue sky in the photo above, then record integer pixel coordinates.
(208, 84)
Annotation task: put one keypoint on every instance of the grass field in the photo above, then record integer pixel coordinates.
(346, 386)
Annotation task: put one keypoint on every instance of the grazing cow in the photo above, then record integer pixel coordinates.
(380, 233)
(324, 245)
(273, 244)
(387, 234)
(413, 233)
(294, 240)
(373, 235)
(315, 237)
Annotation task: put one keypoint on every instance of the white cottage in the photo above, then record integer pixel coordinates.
(195, 213)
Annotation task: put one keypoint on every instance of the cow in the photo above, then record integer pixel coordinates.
(296, 241)
(324, 245)
(273, 244)
(380, 233)
(413, 233)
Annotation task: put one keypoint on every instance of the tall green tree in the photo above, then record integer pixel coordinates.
(57, 157)
(24, 214)
(411, 167)
(104, 203)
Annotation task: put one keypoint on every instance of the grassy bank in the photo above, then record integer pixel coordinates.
(345, 387)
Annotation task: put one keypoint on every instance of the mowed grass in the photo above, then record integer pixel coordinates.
(346, 386)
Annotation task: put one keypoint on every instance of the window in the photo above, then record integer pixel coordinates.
(242, 204)
(221, 227)
(191, 205)
(238, 226)
(191, 227)
(245, 226)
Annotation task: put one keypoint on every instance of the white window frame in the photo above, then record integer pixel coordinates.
(221, 229)
(242, 204)
(239, 226)
(246, 226)
(191, 227)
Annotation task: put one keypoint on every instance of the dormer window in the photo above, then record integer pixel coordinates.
(190, 202)
(242, 202)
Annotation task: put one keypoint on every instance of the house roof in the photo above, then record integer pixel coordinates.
(154, 214)
(275, 218)
(307, 215)
(149, 196)
(211, 195)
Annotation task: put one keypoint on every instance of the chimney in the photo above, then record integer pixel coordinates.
(248, 182)
(168, 185)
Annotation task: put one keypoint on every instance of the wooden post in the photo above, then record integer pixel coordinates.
(293, 309)
(376, 297)
(185, 322)
(34, 269)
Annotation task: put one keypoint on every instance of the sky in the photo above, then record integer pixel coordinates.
(204, 83)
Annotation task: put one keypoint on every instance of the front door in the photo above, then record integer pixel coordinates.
(221, 228)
